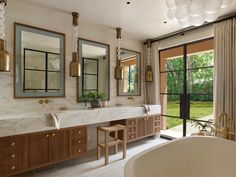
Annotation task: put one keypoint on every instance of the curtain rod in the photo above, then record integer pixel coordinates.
(180, 32)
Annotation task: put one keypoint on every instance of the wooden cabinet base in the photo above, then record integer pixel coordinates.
(22, 153)
(140, 127)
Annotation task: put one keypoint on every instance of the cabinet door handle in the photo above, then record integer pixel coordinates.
(13, 144)
(79, 150)
(47, 135)
(53, 134)
(13, 167)
(79, 132)
(13, 156)
(79, 142)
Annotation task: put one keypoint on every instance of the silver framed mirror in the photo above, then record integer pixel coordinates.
(39, 62)
(94, 58)
(130, 85)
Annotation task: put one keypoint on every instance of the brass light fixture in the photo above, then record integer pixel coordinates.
(118, 69)
(4, 55)
(74, 64)
(149, 73)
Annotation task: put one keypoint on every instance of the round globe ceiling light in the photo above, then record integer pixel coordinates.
(211, 6)
(196, 8)
(212, 17)
(184, 23)
(182, 3)
(195, 12)
(197, 20)
(225, 3)
(182, 13)
(171, 4)
(171, 13)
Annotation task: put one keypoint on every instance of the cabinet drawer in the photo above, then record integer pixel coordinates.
(157, 129)
(157, 118)
(131, 122)
(78, 150)
(79, 132)
(79, 141)
(156, 124)
(131, 136)
(12, 143)
(131, 129)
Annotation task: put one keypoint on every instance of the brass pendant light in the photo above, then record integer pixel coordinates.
(119, 69)
(149, 73)
(4, 55)
(74, 64)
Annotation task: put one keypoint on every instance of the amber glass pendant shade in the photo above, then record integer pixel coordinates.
(149, 74)
(119, 74)
(75, 66)
(4, 58)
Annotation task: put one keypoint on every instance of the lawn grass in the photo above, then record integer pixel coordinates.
(198, 109)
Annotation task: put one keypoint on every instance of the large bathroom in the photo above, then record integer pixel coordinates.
(117, 88)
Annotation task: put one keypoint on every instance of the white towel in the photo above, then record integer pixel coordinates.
(146, 108)
(55, 119)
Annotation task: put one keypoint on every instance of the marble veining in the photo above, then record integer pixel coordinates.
(13, 125)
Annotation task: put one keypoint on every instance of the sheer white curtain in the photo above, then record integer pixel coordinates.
(225, 68)
(152, 89)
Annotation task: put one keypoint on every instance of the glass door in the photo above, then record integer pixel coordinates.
(200, 70)
(186, 85)
(172, 89)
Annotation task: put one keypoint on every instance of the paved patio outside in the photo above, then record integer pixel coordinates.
(177, 132)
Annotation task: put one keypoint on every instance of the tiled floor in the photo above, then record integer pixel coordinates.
(88, 166)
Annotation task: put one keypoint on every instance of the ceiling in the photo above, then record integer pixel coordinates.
(141, 18)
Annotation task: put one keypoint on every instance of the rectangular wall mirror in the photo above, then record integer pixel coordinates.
(131, 64)
(95, 69)
(39, 62)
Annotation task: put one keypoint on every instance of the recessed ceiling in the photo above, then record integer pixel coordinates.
(141, 18)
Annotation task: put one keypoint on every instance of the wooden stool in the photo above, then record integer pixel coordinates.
(106, 145)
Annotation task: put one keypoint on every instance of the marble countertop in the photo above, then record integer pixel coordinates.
(31, 122)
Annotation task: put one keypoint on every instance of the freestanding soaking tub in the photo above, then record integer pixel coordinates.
(186, 157)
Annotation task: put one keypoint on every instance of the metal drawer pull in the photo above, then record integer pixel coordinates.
(79, 142)
(79, 150)
(79, 132)
(13, 155)
(13, 144)
(53, 134)
(47, 135)
(13, 167)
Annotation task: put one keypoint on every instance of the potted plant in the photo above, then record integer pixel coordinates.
(205, 128)
(95, 98)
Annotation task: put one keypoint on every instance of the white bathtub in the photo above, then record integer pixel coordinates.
(186, 157)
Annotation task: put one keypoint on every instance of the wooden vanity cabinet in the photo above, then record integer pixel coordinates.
(55, 146)
(140, 127)
(48, 147)
(22, 153)
(13, 155)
